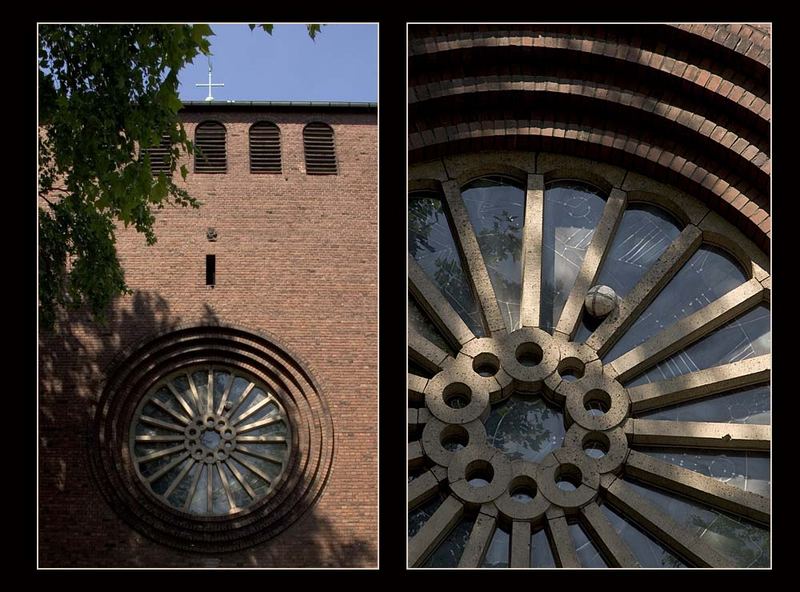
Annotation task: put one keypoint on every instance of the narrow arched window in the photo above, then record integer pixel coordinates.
(209, 141)
(319, 149)
(160, 156)
(265, 148)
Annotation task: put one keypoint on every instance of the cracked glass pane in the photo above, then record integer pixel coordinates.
(644, 233)
(431, 243)
(746, 336)
(588, 555)
(572, 211)
(746, 470)
(541, 553)
(449, 552)
(747, 405)
(496, 207)
(709, 274)
(746, 544)
(645, 549)
(498, 553)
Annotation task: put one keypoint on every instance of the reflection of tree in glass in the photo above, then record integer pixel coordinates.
(525, 429)
(423, 214)
(501, 246)
(502, 240)
(454, 285)
(745, 544)
(450, 550)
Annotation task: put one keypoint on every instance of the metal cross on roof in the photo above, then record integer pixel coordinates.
(209, 85)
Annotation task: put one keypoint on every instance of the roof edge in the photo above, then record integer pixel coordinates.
(288, 105)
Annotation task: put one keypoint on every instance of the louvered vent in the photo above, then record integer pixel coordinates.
(265, 148)
(320, 152)
(209, 141)
(160, 156)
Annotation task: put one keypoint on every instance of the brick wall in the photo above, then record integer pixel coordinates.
(296, 257)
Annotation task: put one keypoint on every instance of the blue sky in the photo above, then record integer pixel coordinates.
(340, 65)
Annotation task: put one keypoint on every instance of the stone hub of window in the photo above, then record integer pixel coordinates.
(210, 438)
(534, 377)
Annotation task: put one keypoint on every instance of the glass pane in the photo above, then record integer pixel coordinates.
(588, 555)
(237, 390)
(748, 405)
(745, 543)
(420, 321)
(431, 243)
(746, 336)
(525, 428)
(571, 213)
(746, 470)
(178, 496)
(496, 207)
(219, 498)
(419, 516)
(448, 553)
(541, 553)
(498, 553)
(647, 551)
(644, 233)
(221, 380)
(240, 496)
(200, 498)
(709, 274)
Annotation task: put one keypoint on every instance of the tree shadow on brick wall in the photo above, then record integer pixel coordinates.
(73, 360)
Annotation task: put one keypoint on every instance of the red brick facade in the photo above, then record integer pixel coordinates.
(296, 257)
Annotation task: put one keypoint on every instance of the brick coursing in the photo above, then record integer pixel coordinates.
(685, 104)
(296, 258)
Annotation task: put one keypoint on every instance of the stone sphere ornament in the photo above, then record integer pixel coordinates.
(600, 301)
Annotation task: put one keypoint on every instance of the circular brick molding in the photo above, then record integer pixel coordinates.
(143, 371)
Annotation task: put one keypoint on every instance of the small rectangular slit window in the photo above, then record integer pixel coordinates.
(211, 270)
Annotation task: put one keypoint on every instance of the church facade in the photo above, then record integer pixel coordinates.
(226, 416)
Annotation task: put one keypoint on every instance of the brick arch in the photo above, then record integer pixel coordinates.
(687, 104)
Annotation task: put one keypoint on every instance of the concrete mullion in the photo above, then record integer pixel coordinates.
(702, 488)
(436, 306)
(520, 544)
(564, 551)
(590, 268)
(698, 434)
(434, 531)
(415, 454)
(421, 489)
(605, 537)
(703, 383)
(660, 525)
(479, 274)
(416, 386)
(530, 303)
(688, 330)
(479, 540)
(427, 354)
(643, 293)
